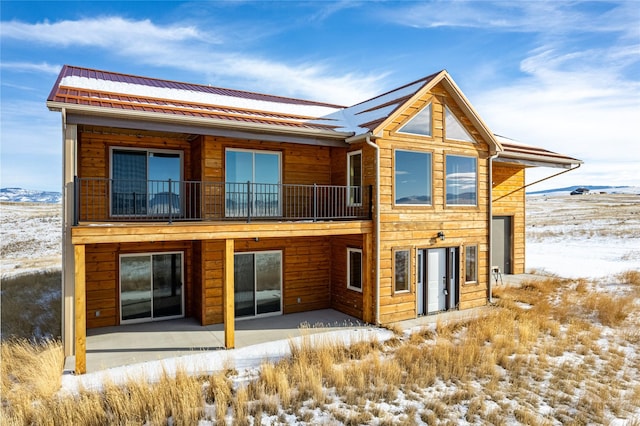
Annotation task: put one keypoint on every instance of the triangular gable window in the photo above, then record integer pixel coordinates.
(454, 129)
(420, 124)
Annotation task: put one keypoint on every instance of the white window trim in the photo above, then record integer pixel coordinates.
(430, 135)
(446, 134)
(151, 254)
(349, 286)
(395, 186)
(445, 181)
(408, 290)
(349, 186)
(476, 265)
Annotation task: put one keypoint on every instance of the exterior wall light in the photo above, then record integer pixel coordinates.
(441, 235)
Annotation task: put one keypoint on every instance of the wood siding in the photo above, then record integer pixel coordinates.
(509, 200)
(102, 278)
(344, 299)
(414, 227)
(306, 264)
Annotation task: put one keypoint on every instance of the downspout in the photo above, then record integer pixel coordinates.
(377, 225)
(490, 214)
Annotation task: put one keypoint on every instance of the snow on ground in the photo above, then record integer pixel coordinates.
(30, 237)
(583, 236)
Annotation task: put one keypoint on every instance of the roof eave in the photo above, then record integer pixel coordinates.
(200, 121)
(538, 160)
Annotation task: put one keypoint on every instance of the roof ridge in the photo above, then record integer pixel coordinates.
(67, 70)
(425, 79)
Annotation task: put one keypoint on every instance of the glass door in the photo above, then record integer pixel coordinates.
(257, 283)
(151, 287)
(252, 183)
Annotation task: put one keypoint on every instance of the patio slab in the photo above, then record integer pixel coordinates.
(109, 347)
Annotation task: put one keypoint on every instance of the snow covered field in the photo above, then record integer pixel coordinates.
(586, 236)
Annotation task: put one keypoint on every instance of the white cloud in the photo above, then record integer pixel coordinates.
(42, 67)
(189, 48)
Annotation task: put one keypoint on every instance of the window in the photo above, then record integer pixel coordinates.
(145, 182)
(471, 264)
(461, 181)
(354, 269)
(354, 172)
(151, 286)
(454, 129)
(412, 178)
(401, 269)
(252, 182)
(420, 124)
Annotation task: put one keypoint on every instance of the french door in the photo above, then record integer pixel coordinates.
(437, 280)
(257, 283)
(151, 287)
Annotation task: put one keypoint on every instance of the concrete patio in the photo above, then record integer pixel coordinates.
(109, 347)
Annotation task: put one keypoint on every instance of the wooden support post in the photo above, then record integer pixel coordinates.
(80, 310)
(368, 282)
(228, 296)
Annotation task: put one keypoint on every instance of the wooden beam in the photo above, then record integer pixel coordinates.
(368, 282)
(148, 232)
(228, 296)
(80, 310)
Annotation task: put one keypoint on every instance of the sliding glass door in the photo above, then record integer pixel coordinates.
(252, 183)
(145, 182)
(151, 287)
(258, 283)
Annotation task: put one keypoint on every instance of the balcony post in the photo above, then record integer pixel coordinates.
(76, 200)
(249, 201)
(170, 201)
(315, 202)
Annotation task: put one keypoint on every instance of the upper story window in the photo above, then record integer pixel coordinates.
(454, 129)
(354, 175)
(145, 182)
(412, 183)
(462, 180)
(420, 124)
(252, 183)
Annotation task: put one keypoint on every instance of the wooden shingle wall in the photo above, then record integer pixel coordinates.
(509, 200)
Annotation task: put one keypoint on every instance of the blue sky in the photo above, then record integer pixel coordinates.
(562, 75)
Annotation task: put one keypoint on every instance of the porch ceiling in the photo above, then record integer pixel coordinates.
(97, 233)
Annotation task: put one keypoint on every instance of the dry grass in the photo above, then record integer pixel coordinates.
(540, 346)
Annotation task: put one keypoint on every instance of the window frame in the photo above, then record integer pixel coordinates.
(446, 132)
(351, 250)
(430, 135)
(350, 187)
(475, 264)
(430, 175)
(146, 151)
(446, 181)
(408, 274)
(150, 255)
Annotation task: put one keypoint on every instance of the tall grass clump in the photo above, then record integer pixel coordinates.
(31, 306)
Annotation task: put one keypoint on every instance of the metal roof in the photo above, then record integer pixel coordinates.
(94, 92)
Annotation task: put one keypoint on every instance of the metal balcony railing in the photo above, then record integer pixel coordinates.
(109, 200)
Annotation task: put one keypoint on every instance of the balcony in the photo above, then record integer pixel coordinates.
(108, 200)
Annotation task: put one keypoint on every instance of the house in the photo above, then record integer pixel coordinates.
(186, 200)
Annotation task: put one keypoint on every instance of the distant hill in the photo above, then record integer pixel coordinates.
(19, 195)
(592, 188)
